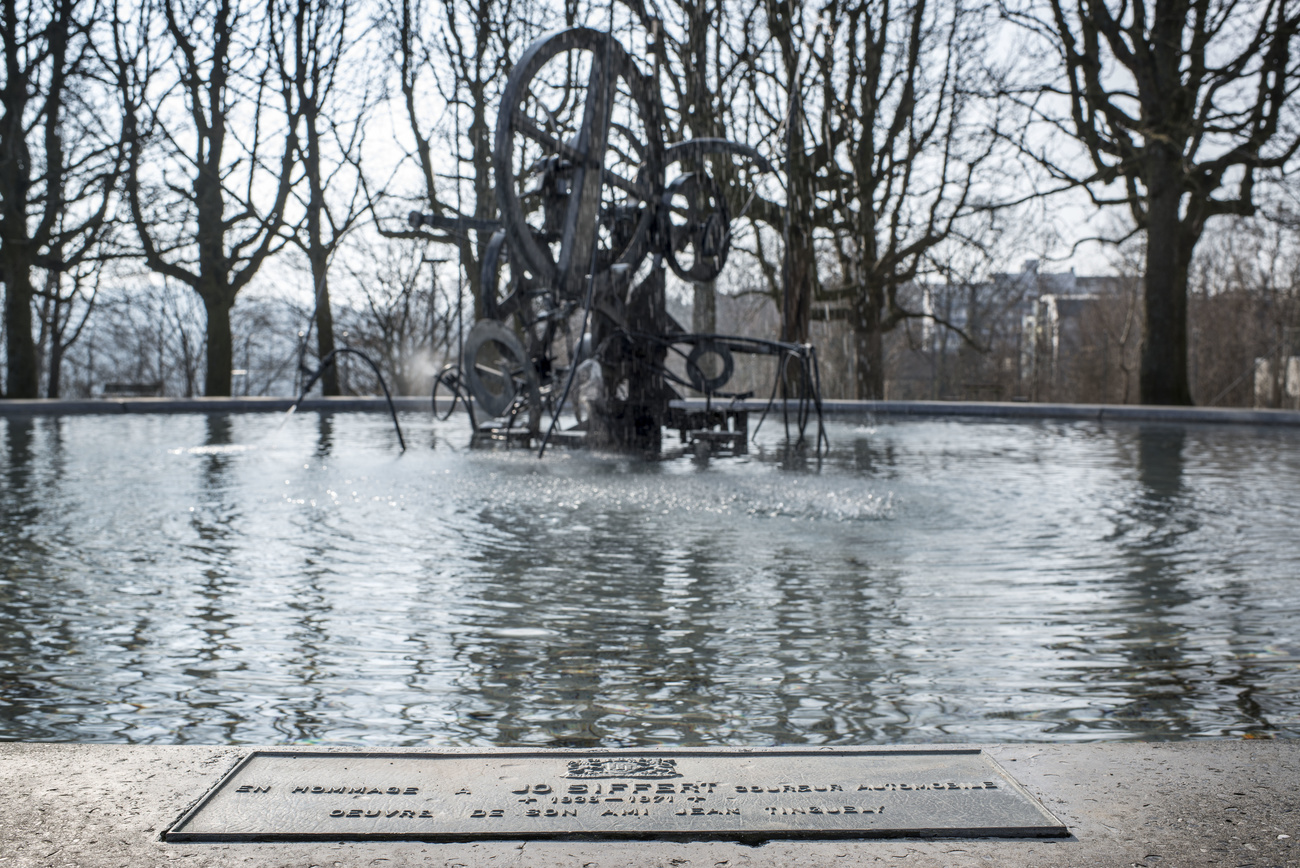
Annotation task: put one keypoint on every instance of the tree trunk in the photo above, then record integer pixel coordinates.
(329, 380)
(220, 348)
(21, 380)
(1163, 373)
(868, 349)
(317, 252)
(57, 347)
(481, 134)
(56, 371)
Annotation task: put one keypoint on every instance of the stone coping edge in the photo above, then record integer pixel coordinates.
(1226, 803)
(1024, 410)
(833, 408)
(112, 406)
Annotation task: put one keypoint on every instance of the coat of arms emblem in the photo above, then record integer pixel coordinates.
(623, 767)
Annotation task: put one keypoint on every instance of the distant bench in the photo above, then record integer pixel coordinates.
(137, 390)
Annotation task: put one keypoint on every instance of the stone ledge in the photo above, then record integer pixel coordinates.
(836, 408)
(1022, 410)
(1234, 803)
(117, 406)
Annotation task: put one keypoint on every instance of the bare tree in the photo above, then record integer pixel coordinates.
(145, 332)
(883, 117)
(743, 74)
(211, 149)
(404, 321)
(64, 315)
(266, 327)
(775, 54)
(1182, 104)
(699, 62)
(455, 54)
(906, 127)
(59, 162)
(318, 54)
(1244, 315)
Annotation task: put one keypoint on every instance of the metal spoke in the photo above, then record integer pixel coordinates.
(629, 187)
(529, 127)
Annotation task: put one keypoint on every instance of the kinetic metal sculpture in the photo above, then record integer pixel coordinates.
(587, 226)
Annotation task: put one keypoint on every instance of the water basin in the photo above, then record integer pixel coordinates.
(246, 579)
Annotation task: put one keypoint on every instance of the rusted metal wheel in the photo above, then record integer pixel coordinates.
(497, 370)
(696, 228)
(579, 159)
(699, 227)
(707, 375)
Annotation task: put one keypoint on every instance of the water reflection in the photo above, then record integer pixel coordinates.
(1151, 594)
(324, 434)
(34, 628)
(870, 458)
(209, 579)
(208, 650)
(21, 507)
(1160, 461)
(309, 612)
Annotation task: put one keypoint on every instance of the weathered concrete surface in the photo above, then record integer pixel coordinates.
(1204, 803)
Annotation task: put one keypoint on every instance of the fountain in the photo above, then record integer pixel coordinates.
(588, 231)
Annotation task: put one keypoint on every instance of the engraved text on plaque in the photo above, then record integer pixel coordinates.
(748, 795)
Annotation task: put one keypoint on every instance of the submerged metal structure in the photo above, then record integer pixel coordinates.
(594, 208)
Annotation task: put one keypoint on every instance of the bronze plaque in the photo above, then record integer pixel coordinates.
(742, 794)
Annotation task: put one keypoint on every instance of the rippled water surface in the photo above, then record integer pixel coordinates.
(223, 579)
